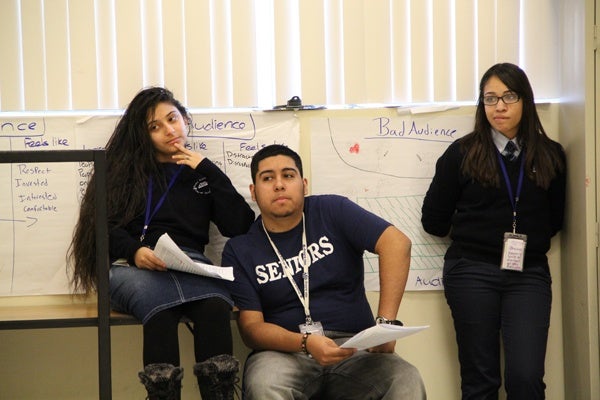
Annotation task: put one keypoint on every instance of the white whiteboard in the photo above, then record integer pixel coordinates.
(39, 203)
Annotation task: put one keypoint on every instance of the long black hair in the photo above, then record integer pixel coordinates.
(544, 157)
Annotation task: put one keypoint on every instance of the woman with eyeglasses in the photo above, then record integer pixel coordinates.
(499, 193)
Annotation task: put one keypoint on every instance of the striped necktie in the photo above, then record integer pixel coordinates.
(509, 151)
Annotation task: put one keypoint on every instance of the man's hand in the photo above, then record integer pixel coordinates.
(325, 351)
(388, 347)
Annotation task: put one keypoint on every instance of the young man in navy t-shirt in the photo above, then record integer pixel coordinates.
(299, 286)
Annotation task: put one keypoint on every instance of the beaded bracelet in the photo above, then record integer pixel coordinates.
(303, 344)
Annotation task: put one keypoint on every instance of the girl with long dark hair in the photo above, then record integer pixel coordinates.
(499, 192)
(156, 185)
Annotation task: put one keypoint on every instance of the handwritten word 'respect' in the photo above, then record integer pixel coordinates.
(25, 169)
(385, 128)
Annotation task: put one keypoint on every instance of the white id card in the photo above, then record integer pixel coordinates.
(314, 328)
(513, 252)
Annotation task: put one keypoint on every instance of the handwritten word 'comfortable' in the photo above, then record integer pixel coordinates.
(387, 129)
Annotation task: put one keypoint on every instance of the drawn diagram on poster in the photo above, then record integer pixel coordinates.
(385, 165)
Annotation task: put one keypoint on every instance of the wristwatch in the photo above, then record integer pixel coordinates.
(383, 320)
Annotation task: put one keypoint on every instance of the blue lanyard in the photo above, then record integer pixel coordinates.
(513, 199)
(149, 216)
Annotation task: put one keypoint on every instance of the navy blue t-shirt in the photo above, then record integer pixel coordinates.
(338, 232)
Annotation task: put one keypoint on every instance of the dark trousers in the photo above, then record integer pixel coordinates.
(489, 305)
(212, 331)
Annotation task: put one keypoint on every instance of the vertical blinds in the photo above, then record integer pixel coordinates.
(96, 54)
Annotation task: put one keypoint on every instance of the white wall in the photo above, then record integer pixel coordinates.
(578, 133)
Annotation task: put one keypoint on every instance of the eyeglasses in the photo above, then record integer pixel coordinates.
(508, 98)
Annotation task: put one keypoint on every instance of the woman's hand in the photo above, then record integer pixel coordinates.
(187, 157)
(146, 259)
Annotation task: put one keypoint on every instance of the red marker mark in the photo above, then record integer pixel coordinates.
(355, 148)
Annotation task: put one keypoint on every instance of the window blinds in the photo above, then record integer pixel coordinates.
(96, 54)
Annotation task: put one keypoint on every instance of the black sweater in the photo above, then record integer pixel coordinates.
(196, 198)
(477, 217)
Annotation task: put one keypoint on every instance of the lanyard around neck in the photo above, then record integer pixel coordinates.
(160, 202)
(288, 271)
(514, 200)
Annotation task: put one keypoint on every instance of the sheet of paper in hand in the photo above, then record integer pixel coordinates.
(175, 258)
(380, 334)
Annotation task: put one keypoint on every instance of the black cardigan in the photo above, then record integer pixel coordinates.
(197, 197)
(476, 217)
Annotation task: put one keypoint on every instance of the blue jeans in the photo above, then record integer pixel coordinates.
(487, 304)
(143, 293)
(275, 375)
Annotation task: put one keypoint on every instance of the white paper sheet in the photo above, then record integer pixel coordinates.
(380, 334)
(175, 258)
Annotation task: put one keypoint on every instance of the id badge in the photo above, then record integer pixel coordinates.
(513, 253)
(314, 328)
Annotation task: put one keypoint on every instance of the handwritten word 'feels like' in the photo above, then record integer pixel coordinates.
(385, 128)
(43, 142)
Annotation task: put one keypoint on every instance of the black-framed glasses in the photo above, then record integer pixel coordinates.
(508, 98)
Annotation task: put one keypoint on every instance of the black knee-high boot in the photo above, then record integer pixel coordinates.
(217, 377)
(162, 381)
